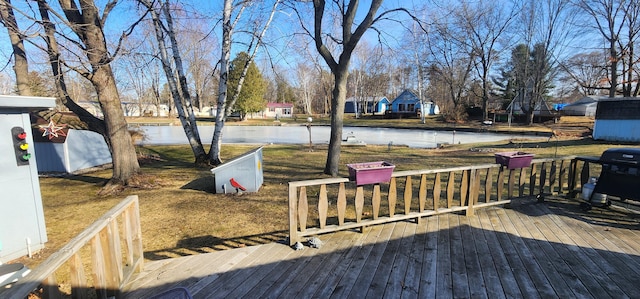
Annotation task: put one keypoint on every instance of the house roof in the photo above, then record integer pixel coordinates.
(369, 99)
(408, 96)
(585, 100)
(279, 105)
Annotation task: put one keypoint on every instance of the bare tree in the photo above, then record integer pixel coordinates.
(199, 48)
(342, 13)
(546, 29)
(415, 55)
(321, 81)
(87, 22)
(587, 71)
(630, 59)
(171, 61)
(484, 23)
(609, 20)
(451, 64)
(228, 27)
(305, 81)
(20, 61)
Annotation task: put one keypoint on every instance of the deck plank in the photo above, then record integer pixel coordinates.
(531, 250)
(255, 278)
(528, 259)
(336, 257)
(187, 271)
(460, 280)
(393, 265)
(279, 277)
(507, 277)
(429, 276)
(402, 263)
(560, 276)
(613, 262)
(444, 281)
(326, 284)
(411, 280)
(511, 251)
(231, 279)
(359, 287)
(580, 262)
(477, 288)
(490, 276)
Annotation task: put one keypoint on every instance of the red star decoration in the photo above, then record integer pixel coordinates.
(52, 130)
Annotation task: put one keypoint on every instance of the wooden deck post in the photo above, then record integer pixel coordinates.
(473, 181)
(323, 205)
(293, 214)
(375, 201)
(342, 204)
(408, 195)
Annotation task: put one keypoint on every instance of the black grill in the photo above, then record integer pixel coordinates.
(619, 176)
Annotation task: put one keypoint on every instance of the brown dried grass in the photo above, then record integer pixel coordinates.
(181, 216)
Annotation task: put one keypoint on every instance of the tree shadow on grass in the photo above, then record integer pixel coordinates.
(87, 179)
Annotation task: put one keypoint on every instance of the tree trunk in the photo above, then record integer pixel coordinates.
(93, 123)
(87, 24)
(221, 114)
(339, 95)
(21, 65)
(123, 154)
(182, 100)
(485, 90)
(613, 68)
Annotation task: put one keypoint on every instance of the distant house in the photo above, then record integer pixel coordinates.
(408, 104)
(367, 105)
(583, 107)
(617, 119)
(278, 110)
(519, 107)
(129, 109)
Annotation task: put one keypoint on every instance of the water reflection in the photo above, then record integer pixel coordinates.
(156, 135)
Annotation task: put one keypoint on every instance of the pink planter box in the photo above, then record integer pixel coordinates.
(370, 172)
(513, 160)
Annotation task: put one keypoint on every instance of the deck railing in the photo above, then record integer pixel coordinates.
(110, 263)
(329, 205)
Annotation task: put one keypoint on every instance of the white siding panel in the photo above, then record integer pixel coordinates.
(86, 149)
(626, 130)
(50, 156)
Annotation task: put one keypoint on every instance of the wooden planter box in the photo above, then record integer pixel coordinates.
(513, 160)
(370, 172)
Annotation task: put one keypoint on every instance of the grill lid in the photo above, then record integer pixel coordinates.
(621, 155)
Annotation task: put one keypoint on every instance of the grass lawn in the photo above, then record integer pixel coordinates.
(182, 216)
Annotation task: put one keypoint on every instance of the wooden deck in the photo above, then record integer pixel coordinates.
(530, 250)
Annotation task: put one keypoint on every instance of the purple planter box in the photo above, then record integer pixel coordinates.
(370, 172)
(513, 160)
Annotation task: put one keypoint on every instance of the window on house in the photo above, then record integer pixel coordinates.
(286, 111)
(401, 107)
(411, 107)
(272, 109)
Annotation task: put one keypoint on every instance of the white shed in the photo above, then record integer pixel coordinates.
(242, 173)
(71, 151)
(618, 120)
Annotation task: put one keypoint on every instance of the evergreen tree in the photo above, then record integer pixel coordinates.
(251, 98)
(527, 78)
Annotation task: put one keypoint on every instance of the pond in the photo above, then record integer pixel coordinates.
(418, 138)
